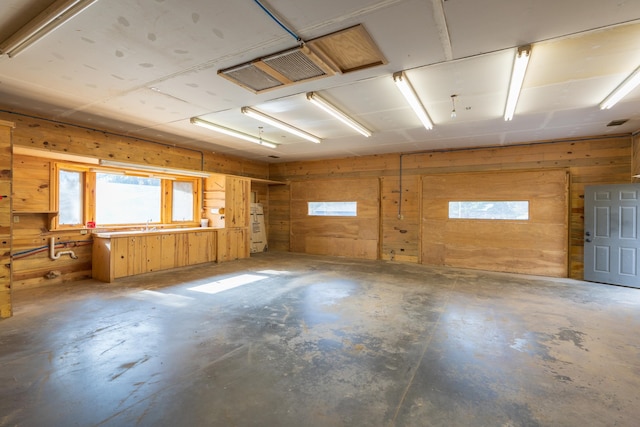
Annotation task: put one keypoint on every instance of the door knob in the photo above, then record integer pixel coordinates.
(588, 240)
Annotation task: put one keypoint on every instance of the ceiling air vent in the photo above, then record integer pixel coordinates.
(617, 122)
(283, 68)
(344, 51)
(250, 77)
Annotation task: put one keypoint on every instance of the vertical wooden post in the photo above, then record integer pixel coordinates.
(6, 197)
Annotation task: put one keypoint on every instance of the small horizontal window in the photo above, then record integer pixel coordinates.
(333, 208)
(503, 210)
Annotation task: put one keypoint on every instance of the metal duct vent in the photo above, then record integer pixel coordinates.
(283, 68)
(617, 122)
(296, 65)
(251, 77)
(344, 51)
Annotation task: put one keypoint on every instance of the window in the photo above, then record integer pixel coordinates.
(182, 209)
(121, 197)
(70, 197)
(494, 210)
(333, 208)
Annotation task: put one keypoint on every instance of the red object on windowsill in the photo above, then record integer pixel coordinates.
(91, 224)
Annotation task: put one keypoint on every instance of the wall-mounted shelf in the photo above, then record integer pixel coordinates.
(22, 212)
(269, 181)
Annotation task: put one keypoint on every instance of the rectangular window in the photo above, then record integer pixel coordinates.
(70, 197)
(333, 208)
(124, 199)
(495, 210)
(119, 197)
(182, 201)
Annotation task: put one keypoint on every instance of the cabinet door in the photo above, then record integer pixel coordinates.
(137, 256)
(120, 256)
(168, 254)
(233, 244)
(153, 252)
(199, 247)
(237, 195)
(181, 249)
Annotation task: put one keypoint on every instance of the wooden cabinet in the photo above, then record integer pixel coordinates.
(118, 255)
(200, 248)
(237, 198)
(233, 194)
(233, 243)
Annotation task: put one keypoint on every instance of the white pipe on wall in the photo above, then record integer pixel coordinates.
(54, 255)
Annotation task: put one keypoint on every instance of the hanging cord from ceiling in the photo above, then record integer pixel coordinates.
(453, 103)
(279, 21)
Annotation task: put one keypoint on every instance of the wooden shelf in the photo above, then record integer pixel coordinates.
(269, 181)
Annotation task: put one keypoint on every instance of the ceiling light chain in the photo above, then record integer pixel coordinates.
(453, 104)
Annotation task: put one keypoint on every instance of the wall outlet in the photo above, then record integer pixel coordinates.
(16, 218)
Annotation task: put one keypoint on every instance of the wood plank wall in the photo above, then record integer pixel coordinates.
(538, 245)
(279, 222)
(33, 192)
(337, 236)
(596, 160)
(60, 137)
(6, 307)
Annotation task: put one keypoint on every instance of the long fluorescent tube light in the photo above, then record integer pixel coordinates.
(151, 168)
(279, 124)
(517, 78)
(622, 90)
(410, 95)
(49, 20)
(338, 114)
(217, 128)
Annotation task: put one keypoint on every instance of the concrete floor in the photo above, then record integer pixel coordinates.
(314, 341)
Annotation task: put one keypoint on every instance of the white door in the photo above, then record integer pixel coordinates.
(611, 241)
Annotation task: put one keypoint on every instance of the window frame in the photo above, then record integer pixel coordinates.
(56, 198)
(89, 198)
(528, 218)
(327, 213)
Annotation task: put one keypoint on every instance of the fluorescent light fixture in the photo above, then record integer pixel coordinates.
(279, 124)
(49, 20)
(410, 95)
(151, 168)
(622, 90)
(517, 78)
(318, 101)
(234, 133)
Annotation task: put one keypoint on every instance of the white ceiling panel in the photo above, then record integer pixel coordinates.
(144, 68)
